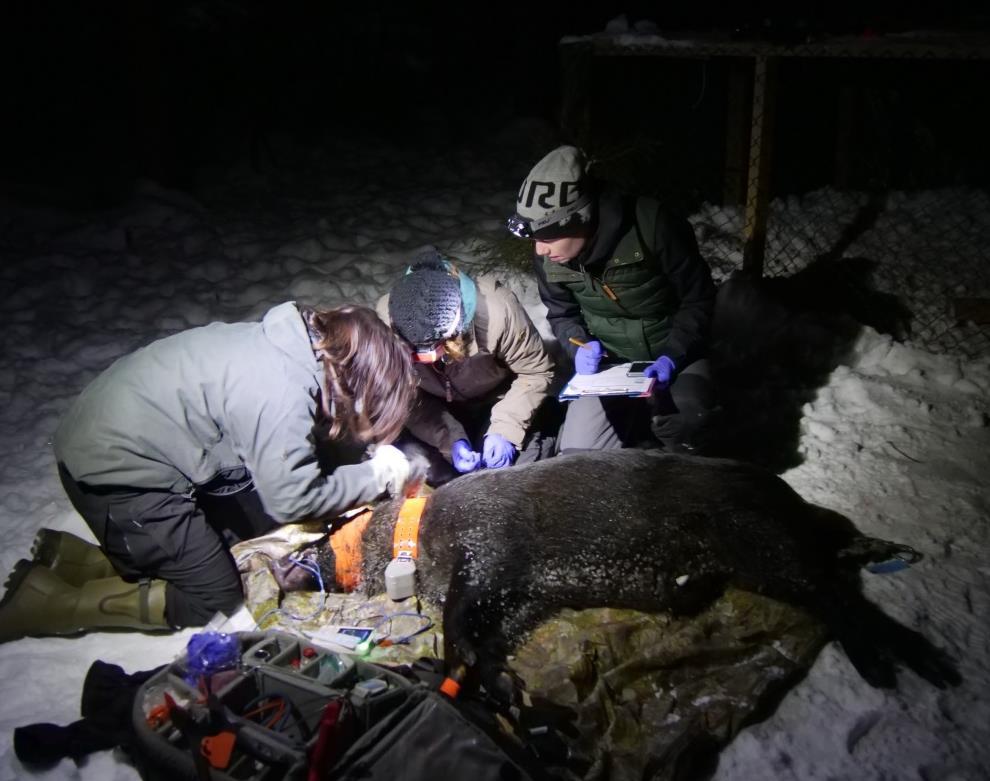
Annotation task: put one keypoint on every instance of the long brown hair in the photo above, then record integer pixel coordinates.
(369, 374)
(456, 348)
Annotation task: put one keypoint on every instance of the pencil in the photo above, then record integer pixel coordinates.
(579, 343)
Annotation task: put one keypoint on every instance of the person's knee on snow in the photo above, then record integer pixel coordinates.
(188, 607)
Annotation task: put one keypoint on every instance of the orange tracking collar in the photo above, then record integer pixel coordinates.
(405, 538)
(346, 546)
(346, 542)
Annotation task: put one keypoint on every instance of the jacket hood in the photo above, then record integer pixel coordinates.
(614, 221)
(283, 326)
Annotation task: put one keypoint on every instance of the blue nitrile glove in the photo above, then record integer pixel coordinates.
(499, 451)
(463, 458)
(662, 368)
(587, 358)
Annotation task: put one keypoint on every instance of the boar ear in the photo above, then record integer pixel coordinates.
(419, 466)
(436, 469)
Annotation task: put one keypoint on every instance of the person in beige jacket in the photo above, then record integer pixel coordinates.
(483, 369)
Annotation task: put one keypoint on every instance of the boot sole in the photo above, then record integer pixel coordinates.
(44, 549)
(72, 558)
(22, 571)
(17, 576)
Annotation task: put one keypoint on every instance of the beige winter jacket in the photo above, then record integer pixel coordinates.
(506, 349)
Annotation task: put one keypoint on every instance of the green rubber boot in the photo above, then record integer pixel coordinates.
(39, 603)
(70, 557)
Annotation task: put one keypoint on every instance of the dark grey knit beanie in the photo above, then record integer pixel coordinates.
(425, 304)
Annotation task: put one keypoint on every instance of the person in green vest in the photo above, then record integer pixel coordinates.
(622, 280)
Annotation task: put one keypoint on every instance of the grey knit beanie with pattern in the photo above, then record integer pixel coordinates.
(555, 199)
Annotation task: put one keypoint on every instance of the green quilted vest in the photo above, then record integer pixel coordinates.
(635, 323)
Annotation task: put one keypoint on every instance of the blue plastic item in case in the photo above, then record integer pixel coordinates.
(211, 652)
(888, 566)
(370, 687)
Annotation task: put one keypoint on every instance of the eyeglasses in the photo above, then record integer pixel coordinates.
(428, 354)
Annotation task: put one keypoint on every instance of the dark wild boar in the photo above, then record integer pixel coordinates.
(502, 550)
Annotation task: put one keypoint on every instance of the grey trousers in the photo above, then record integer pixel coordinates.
(673, 418)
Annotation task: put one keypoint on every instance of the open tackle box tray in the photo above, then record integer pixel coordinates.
(287, 702)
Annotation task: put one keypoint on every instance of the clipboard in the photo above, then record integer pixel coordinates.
(613, 381)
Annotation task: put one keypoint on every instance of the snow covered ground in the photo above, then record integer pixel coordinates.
(898, 439)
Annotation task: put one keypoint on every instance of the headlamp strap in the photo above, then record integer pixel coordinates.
(539, 223)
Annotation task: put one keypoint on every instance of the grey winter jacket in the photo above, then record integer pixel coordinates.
(207, 403)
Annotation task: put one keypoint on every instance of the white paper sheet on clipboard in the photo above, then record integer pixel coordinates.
(613, 381)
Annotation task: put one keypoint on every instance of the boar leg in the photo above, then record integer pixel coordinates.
(475, 617)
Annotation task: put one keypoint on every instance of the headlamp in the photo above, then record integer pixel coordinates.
(519, 227)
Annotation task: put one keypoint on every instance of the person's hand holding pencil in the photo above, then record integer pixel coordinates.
(588, 355)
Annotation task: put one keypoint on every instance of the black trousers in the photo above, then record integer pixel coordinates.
(176, 538)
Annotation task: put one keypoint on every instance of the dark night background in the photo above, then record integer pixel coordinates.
(198, 94)
(97, 94)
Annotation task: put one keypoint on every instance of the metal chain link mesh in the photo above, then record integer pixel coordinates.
(786, 157)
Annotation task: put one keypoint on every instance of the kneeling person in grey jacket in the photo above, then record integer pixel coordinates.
(226, 410)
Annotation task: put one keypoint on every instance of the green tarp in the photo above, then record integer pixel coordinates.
(655, 696)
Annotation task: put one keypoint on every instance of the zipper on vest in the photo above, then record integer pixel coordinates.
(447, 386)
(609, 293)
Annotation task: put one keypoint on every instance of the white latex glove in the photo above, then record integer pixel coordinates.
(391, 468)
